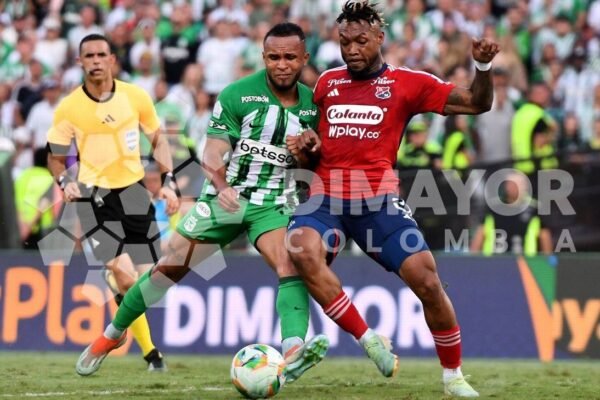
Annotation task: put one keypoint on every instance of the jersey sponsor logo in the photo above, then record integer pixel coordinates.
(335, 82)
(383, 92)
(333, 93)
(132, 139)
(382, 81)
(277, 156)
(216, 125)
(217, 109)
(254, 99)
(354, 114)
(190, 223)
(307, 113)
(336, 131)
(203, 209)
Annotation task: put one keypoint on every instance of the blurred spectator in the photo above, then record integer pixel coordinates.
(7, 108)
(444, 13)
(182, 94)
(514, 26)
(457, 145)
(509, 60)
(251, 59)
(8, 35)
(218, 55)
(227, 11)
(162, 104)
(312, 40)
(23, 155)
(28, 90)
(593, 16)
(309, 76)
(416, 151)
(573, 87)
(121, 14)
(594, 143)
(517, 229)
(198, 122)
(412, 13)
(147, 43)
(570, 136)
(15, 64)
(179, 42)
(476, 14)
(34, 199)
(493, 126)
(86, 26)
(52, 50)
(560, 33)
(262, 11)
(144, 75)
(526, 122)
(329, 9)
(120, 39)
(40, 118)
(329, 54)
(593, 113)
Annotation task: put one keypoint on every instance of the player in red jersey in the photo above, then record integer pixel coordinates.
(364, 107)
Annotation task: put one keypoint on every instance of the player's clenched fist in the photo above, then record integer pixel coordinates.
(484, 50)
(228, 200)
(306, 141)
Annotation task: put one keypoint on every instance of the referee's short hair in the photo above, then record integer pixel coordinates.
(95, 36)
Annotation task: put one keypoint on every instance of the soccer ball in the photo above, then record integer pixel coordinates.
(257, 371)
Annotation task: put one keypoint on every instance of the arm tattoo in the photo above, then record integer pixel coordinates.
(482, 90)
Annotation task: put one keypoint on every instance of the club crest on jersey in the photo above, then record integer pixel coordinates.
(383, 92)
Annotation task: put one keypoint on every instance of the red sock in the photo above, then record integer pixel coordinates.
(342, 312)
(447, 345)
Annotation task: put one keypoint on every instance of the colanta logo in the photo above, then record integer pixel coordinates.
(355, 114)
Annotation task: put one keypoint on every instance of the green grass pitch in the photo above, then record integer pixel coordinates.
(52, 376)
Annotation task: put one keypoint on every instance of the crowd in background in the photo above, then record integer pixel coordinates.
(183, 53)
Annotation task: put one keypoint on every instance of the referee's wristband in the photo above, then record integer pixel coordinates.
(483, 67)
(168, 180)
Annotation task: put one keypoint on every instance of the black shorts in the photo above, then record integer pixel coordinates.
(118, 221)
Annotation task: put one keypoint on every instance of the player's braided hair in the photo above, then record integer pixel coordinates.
(361, 10)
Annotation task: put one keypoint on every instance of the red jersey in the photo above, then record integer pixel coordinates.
(361, 124)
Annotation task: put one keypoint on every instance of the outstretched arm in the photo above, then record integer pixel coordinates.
(478, 98)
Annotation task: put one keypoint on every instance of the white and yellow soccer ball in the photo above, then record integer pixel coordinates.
(257, 371)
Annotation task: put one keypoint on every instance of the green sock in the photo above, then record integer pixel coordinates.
(138, 298)
(292, 307)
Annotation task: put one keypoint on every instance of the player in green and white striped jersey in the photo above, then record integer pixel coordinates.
(256, 122)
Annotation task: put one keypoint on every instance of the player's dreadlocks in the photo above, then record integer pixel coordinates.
(361, 10)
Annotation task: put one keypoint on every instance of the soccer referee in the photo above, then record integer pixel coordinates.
(104, 117)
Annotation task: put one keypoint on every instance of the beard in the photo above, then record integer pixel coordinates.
(284, 88)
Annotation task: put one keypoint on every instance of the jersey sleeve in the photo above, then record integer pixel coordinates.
(224, 122)
(62, 131)
(430, 93)
(148, 117)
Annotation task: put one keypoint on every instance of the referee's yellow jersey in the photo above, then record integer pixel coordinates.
(107, 133)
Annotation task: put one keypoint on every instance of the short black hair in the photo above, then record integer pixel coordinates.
(360, 10)
(285, 29)
(95, 36)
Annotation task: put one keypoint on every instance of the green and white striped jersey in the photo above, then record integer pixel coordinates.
(249, 115)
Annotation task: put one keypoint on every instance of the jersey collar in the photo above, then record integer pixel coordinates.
(89, 95)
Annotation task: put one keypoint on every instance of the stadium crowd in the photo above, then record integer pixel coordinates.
(546, 110)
